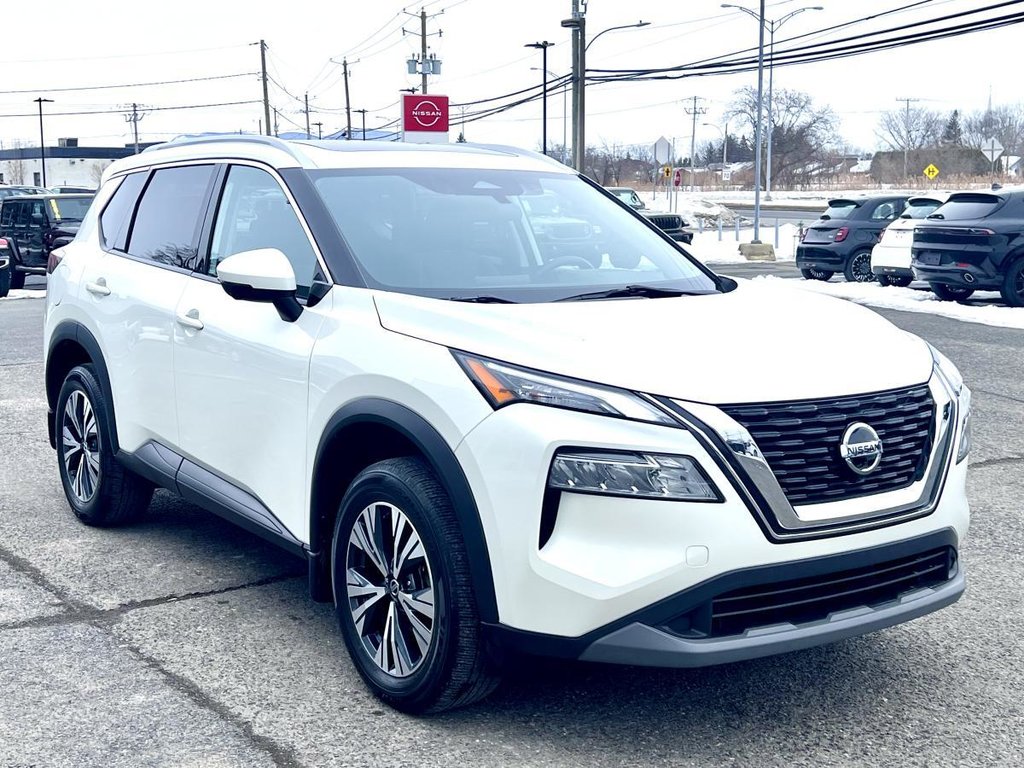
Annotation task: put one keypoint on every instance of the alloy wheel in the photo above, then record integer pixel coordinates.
(390, 589)
(81, 446)
(860, 268)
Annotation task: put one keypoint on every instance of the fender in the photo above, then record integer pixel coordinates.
(71, 330)
(442, 460)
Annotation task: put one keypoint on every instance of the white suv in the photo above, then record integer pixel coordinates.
(490, 426)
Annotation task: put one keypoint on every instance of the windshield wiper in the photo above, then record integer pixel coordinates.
(483, 300)
(640, 291)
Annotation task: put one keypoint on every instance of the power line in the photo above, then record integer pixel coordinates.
(131, 85)
(148, 109)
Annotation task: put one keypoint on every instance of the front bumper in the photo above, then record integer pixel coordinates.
(669, 634)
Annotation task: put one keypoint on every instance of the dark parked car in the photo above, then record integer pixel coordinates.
(672, 224)
(66, 190)
(5, 267)
(975, 241)
(842, 239)
(34, 225)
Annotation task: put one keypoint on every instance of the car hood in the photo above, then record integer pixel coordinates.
(760, 342)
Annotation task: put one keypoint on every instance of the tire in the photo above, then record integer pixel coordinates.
(884, 280)
(858, 268)
(101, 491)
(17, 278)
(816, 274)
(5, 282)
(1013, 283)
(901, 282)
(424, 668)
(950, 292)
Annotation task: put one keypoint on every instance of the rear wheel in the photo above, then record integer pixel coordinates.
(950, 292)
(1013, 283)
(17, 278)
(99, 489)
(816, 274)
(858, 268)
(5, 281)
(403, 593)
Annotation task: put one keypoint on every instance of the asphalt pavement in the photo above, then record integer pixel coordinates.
(185, 641)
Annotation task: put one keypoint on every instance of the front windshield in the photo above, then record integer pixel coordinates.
(460, 233)
(70, 208)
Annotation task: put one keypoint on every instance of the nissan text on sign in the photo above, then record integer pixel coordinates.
(425, 118)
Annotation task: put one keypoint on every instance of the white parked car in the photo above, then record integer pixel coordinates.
(890, 258)
(480, 440)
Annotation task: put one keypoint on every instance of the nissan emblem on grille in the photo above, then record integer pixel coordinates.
(861, 448)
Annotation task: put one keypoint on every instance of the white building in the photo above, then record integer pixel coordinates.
(66, 164)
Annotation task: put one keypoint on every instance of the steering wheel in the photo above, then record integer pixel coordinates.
(565, 261)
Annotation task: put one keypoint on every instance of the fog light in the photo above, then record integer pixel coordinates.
(638, 475)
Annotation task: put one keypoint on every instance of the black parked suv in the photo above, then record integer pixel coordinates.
(5, 267)
(974, 241)
(842, 239)
(34, 225)
(672, 224)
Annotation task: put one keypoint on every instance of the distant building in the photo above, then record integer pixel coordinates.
(66, 164)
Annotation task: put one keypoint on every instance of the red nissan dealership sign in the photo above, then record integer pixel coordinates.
(424, 113)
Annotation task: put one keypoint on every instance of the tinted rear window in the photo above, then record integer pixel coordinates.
(166, 226)
(839, 210)
(114, 218)
(968, 207)
(918, 208)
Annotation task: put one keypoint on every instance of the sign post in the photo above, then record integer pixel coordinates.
(992, 149)
(425, 118)
(662, 152)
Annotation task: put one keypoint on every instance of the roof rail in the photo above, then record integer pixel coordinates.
(269, 141)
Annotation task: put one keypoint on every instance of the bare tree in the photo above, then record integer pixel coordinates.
(916, 128)
(1004, 123)
(803, 134)
(96, 171)
(16, 168)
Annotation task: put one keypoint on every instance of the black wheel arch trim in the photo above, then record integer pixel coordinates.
(73, 331)
(441, 458)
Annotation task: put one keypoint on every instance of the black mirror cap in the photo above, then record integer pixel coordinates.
(284, 302)
(727, 283)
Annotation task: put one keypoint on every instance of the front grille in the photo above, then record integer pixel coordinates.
(666, 222)
(800, 441)
(808, 599)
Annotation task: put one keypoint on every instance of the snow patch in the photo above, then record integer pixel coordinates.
(709, 249)
(24, 293)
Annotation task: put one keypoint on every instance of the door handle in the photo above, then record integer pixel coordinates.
(190, 320)
(99, 288)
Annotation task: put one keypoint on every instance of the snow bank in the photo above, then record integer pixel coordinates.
(913, 300)
(23, 293)
(710, 250)
(691, 207)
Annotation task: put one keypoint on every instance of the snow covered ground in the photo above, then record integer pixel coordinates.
(22, 293)
(707, 247)
(690, 207)
(913, 300)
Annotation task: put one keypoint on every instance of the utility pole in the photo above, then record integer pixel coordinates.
(578, 24)
(758, 129)
(431, 66)
(275, 122)
(544, 85)
(348, 106)
(319, 129)
(693, 139)
(906, 133)
(134, 118)
(266, 95)
(363, 113)
(42, 144)
(308, 134)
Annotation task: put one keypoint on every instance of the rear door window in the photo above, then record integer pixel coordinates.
(975, 206)
(170, 216)
(116, 215)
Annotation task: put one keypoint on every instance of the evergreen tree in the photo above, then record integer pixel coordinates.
(953, 134)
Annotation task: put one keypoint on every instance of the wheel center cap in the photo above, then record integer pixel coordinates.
(393, 588)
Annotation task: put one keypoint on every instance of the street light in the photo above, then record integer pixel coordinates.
(565, 113)
(578, 24)
(42, 144)
(725, 145)
(544, 80)
(772, 26)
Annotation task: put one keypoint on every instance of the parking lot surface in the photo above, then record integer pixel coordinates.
(185, 641)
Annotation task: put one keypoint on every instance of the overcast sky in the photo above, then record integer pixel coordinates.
(69, 45)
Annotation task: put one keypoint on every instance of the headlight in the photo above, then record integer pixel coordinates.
(505, 384)
(951, 376)
(637, 475)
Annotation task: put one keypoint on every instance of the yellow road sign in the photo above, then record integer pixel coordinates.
(666, 171)
(931, 171)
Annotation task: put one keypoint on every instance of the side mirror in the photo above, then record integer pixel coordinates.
(263, 275)
(38, 218)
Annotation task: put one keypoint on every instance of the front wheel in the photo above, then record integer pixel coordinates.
(858, 268)
(950, 292)
(99, 489)
(5, 281)
(884, 280)
(1013, 284)
(816, 274)
(403, 592)
(900, 282)
(17, 278)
